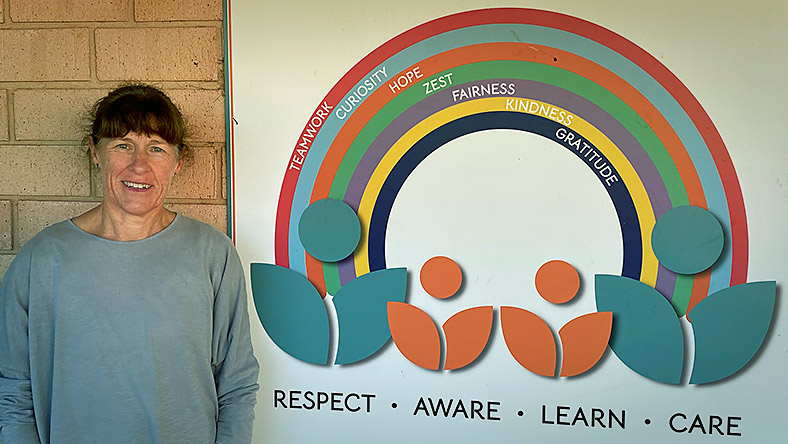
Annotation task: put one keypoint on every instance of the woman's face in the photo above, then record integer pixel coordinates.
(137, 171)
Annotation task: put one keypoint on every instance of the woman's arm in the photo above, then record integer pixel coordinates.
(235, 367)
(17, 420)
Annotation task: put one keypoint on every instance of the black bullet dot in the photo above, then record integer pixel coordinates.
(520, 413)
(555, 59)
(647, 421)
(393, 405)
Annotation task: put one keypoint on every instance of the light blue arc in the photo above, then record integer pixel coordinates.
(596, 52)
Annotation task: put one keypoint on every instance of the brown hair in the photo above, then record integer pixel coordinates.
(138, 108)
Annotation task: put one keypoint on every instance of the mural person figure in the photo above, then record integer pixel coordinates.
(128, 323)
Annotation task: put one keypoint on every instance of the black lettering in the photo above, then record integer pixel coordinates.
(294, 398)
(677, 415)
(597, 415)
(560, 414)
(441, 407)
(697, 423)
(336, 402)
(309, 397)
(544, 420)
(621, 422)
(346, 404)
(322, 398)
(460, 407)
(580, 416)
(491, 410)
(476, 409)
(714, 424)
(732, 425)
(279, 396)
(368, 397)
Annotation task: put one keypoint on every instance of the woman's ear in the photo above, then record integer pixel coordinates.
(179, 165)
(93, 151)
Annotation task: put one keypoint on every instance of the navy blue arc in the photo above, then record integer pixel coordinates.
(622, 201)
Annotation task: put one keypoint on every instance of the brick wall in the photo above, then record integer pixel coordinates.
(57, 57)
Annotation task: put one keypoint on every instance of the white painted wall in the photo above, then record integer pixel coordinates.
(287, 55)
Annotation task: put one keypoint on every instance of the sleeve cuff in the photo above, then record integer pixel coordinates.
(19, 434)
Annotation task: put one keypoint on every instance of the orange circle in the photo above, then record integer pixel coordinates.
(557, 281)
(440, 277)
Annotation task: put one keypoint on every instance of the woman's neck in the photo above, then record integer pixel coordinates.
(104, 222)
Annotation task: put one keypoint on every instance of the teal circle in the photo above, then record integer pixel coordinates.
(687, 239)
(329, 230)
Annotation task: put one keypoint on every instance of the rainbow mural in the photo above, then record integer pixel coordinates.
(618, 109)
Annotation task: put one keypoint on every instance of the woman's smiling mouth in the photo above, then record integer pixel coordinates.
(135, 185)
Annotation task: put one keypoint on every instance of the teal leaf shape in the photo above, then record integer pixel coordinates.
(730, 326)
(362, 315)
(646, 334)
(291, 311)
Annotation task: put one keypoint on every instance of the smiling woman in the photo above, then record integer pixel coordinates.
(137, 141)
(137, 171)
(128, 323)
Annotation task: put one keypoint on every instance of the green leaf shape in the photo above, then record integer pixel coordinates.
(646, 334)
(730, 326)
(362, 315)
(291, 311)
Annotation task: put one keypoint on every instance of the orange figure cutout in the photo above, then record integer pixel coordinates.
(530, 340)
(415, 335)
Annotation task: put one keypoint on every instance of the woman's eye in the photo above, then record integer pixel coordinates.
(157, 149)
(123, 146)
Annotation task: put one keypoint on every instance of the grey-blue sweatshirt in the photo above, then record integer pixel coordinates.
(126, 342)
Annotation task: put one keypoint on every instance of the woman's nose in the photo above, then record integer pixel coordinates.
(140, 159)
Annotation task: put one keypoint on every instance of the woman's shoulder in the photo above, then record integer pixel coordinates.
(194, 226)
(58, 232)
(199, 233)
(204, 241)
(44, 244)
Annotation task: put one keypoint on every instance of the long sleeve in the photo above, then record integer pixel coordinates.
(235, 367)
(17, 419)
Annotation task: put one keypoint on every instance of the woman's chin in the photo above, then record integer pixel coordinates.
(137, 207)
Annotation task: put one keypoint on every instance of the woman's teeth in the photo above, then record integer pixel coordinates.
(136, 185)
